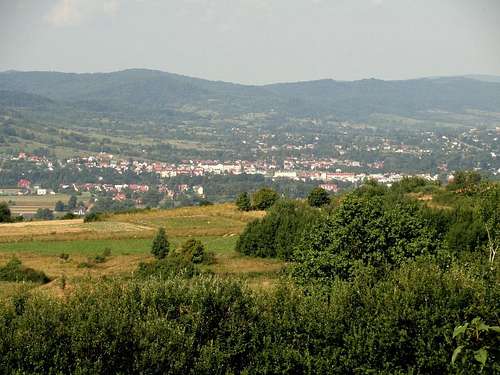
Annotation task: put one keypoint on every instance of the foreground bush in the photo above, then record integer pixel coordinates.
(401, 324)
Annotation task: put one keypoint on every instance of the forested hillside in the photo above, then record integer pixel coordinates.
(142, 91)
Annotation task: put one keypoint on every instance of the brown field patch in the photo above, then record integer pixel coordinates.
(55, 230)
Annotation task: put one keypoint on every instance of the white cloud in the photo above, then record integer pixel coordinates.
(73, 12)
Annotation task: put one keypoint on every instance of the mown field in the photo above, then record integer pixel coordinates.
(128, 237)
(29, 204)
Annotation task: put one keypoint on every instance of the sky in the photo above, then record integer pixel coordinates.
(254, 41)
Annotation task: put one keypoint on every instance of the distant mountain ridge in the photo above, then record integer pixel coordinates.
(151, 92)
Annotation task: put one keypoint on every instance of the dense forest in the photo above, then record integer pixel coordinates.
(380, 280)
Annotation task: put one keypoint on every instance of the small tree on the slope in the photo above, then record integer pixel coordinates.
(264, 198)
(160, 247)
(59, 206)
(243, 202)
(72, 202)
(5, 216)
(318, 197)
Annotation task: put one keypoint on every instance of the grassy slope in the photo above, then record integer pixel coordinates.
(129, 237)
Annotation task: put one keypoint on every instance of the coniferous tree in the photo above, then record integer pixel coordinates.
(243, 202)
(160, 247)
(5, 215)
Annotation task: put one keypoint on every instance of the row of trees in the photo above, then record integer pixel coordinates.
(264, 198)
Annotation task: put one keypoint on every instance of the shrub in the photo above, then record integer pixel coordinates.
(204, 203)
(366, 229)
(60, 206)
(402, 323)
(15, 271)
(318, 197)
(5, 214)
(44, 214)
(243, 202)
(264, 198)
(276, 234)
(93, 216)
(194, 251)
(160, 246)
(69, 216)
(167, 268)
(87, 264)
(99, 259)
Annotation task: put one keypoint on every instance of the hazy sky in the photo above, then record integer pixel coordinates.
(254, 41)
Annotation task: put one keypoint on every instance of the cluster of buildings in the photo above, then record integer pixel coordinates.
(326, 170)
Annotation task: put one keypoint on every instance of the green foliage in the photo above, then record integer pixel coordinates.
(167, 268)
(71, 203)
(194, 251)
(44, 214)
(5, 214)
(465, 181)
(160, 246)
(264, 198)
(400, 323)
(15, 271)
(93, 216)
(152, 198)
(479, 347)
(107, 204)
(414, 184)
(318, 197)
(204, 203)
(489, 211)
(276, 234)
(69, 216)
(243, 202)
(364, 229)
(60, 206)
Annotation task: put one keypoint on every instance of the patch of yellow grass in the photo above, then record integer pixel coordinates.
(225, 210)
(60, 230)
(216, 220)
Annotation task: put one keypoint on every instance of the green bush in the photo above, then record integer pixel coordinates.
(264, 198)
(402, 323)
(243, 202)
(276, 234)
(167, 268)
(194, 251)
(44, 214)
(15, 271)
(5, 214)
(69, 216)
(93, 216)
(318, 197)
(364, 229)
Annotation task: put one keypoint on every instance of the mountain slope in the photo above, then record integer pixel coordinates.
(150, 93)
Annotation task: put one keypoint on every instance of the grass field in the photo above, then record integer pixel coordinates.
(129, 236)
